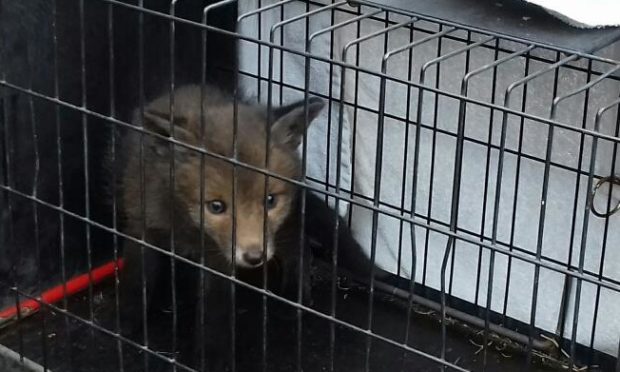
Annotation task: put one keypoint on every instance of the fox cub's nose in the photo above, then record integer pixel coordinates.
(253, 257)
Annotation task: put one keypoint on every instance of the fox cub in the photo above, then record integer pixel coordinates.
(189, 211)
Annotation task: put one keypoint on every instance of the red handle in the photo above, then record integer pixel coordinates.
(55, 294)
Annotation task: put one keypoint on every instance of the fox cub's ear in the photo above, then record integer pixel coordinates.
(159, 122)
(290, 121)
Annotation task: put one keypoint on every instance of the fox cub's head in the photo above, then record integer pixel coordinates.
(228, 190)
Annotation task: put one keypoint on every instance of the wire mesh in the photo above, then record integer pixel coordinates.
(475, 169)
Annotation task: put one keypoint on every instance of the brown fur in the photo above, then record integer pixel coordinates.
(218, 174)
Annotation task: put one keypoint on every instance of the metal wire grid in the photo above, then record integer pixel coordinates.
(552, 61)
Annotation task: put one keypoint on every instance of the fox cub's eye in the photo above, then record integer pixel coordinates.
(272, 200)
(216, 206)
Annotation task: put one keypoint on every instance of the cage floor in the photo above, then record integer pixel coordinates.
(72, 345)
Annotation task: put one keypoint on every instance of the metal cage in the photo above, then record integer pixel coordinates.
(478, 169)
